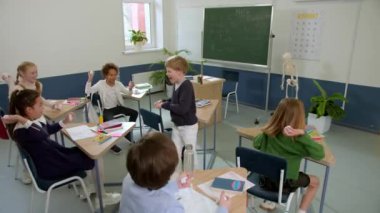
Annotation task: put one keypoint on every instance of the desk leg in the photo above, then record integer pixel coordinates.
(150, 101)
(62, 139)
(99, 187)
(239, 141)
(304, 170)
(204, 147)
(86, 113)
(213, 150)
(138, 103)
(327, 171)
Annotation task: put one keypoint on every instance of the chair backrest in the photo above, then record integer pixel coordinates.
(94, 98)
(29, 165)
(232, 80)
(152, 120)
(3, 130)
(261, 163)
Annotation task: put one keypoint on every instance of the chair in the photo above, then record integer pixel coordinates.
(230, 88)
(43, 185)
(154, 121)
(273, 167)
(5, 136)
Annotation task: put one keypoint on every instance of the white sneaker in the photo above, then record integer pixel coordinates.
(26, 179)
(90, 189)
(268, 205)
(108, 199)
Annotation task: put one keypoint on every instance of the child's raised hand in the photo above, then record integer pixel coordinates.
(69, 118)
(291, 132)
(131, 85)
(6, 77)
(90, 76)
(225, 201)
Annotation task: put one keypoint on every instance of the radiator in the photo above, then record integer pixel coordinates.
(143, 77)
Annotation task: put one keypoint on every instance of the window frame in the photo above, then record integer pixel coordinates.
(153, 22)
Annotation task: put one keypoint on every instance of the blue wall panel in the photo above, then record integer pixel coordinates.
(362, 108)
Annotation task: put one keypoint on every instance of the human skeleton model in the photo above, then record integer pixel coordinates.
(289, 68)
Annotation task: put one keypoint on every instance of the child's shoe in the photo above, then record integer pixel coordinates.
(108, 199)
(268, 205)
(26, 179)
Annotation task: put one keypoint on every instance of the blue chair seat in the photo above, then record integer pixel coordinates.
(258, 191)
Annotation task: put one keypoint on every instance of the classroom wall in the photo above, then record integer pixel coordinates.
(348, 54)
(67, 37)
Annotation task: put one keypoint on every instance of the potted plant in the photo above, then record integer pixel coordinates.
(159, 76)
(324, 109)
(138, 38)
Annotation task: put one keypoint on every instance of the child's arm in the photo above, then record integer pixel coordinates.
(224, 203)
(91, 89)
(185, 100)
(10, 119)
(312, 149)
(53, 128)
(123, 89)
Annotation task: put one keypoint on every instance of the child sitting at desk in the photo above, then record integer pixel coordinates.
(284, 136)
(26, 78)
(147, 188)
(28, 127)
(110, 91)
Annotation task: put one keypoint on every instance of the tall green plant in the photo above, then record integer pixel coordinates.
(324, 105)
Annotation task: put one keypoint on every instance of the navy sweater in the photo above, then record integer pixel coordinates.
(52, 160)
(182, 105)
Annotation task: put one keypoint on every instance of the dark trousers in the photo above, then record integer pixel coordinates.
(108, 114)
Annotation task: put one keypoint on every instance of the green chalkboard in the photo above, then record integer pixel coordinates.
(237, 34)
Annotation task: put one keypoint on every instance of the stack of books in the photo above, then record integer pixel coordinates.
(202, 102)
(313, 133)
(110, 126)
(143, 86)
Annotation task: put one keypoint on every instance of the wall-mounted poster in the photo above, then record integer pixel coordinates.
(305, 42)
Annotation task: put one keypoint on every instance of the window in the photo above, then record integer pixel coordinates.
(141, 15)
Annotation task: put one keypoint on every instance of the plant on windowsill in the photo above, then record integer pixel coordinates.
(138, 38)
(159, 76)
(324, 108)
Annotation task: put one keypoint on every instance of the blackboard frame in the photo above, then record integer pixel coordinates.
(210, 47)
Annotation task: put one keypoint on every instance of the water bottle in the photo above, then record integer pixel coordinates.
(188, 158)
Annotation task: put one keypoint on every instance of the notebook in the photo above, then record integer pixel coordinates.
(228, 184)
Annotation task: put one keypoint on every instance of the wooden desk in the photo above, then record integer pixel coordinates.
(96, 151)
(328, 161)
(55, 115)
(239, 202)
(205, 115)
(137, 97)
(210, 89)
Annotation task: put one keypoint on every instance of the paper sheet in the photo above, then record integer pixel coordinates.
(80, 132)
(194, 202)
(215, 193)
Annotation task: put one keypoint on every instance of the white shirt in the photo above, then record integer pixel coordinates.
(107, 93)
